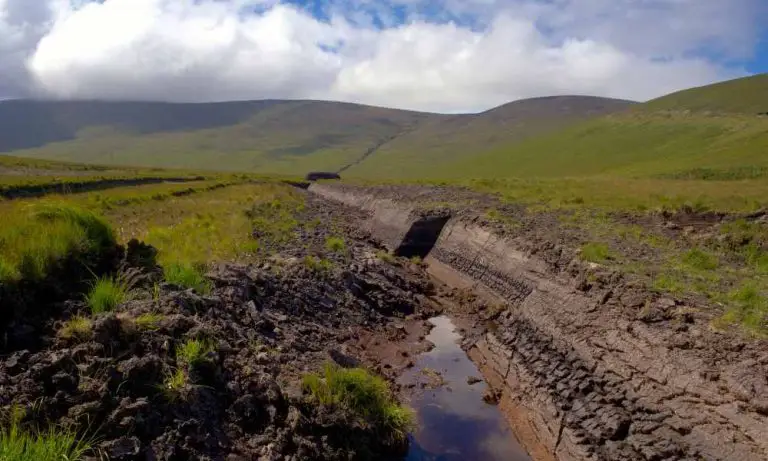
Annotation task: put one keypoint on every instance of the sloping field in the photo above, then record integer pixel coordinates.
(445, 142)
(289, 137)
(274, 136)
(714, 132)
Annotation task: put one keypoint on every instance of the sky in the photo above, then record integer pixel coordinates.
(432, 55)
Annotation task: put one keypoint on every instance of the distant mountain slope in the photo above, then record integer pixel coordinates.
(277, 136)
(719, 131)
(747, 95)
(27, 124)
(716, 132)
(439, 141)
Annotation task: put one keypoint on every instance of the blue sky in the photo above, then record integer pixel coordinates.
(435, 55)
(759, 61)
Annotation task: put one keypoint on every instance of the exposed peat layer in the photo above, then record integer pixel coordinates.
(206, 347)
(606, 332)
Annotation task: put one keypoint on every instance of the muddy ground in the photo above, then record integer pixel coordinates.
(268, 324)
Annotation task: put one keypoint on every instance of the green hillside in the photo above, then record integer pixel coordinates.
(747, 95)
(713, 132)
(441, 141)
(275, 136)
(271, 136)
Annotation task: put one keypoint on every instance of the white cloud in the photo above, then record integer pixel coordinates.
(202, 50)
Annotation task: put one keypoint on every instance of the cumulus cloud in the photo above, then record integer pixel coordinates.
(443, 56)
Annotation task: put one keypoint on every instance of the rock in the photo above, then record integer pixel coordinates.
(473, 380)
(64, 381)
(124, 448)
(633, 298)
(85, 412)
(106, 329)
(17, 362)
(491, 397)
(343, 360)
(142, 374)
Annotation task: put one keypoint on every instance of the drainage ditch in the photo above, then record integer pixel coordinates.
(421, 237)
(454, 421)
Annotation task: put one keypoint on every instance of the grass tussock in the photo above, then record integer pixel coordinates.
(365, 395)
(41, 236)
(748, 308)
(108, 293)
(77, 328)
(193, 352)
(318, 265)
(51, 445)
(335, 244)
(386, 256)
(187, 276)
(175, 383)
(595, 252)
(148, 322)
(700, 260)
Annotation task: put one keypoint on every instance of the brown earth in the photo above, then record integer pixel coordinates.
(268, 324)
(589, 362)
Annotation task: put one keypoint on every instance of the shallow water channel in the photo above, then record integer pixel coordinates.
(454, 423)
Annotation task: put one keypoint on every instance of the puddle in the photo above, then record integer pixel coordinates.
(454, 423)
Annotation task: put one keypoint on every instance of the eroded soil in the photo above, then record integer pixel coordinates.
(591, 357)
(267, 325)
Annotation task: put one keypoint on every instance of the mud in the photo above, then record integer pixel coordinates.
(586, 362)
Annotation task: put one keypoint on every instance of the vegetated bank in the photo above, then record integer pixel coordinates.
(607, 333)
(206, 344)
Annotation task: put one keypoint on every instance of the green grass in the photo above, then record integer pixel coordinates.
(78, 328)
(698, 259)
(175, 383)
(318, 265)
(613, 193)
(35, 239)
(193, 352)
(595, 252)
(107, 294)
(367, 396)
(148, 321)
(290, 137)
(187, 276)
(741, 95)
(669, 283)
(51, 445)
(335, 244)
(749, 308)
(386, 256)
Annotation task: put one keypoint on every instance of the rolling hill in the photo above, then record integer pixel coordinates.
(440, 141)
(273, 136)
(714, 132)
(246, 136)
(718, 131)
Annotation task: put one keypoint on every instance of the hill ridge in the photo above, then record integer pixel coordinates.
(272, 136)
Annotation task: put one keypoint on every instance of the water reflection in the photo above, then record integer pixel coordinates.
(453, 421)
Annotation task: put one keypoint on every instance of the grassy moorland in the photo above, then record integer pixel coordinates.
(191, 224)
(287, 137)
(615, 185)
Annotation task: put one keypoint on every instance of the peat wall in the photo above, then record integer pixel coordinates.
(579, 380)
